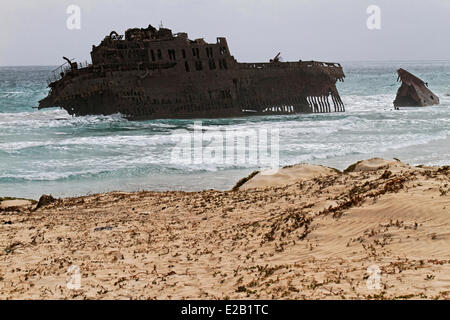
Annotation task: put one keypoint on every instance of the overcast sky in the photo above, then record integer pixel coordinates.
(34, 32)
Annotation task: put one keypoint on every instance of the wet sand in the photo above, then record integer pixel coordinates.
(308, 232)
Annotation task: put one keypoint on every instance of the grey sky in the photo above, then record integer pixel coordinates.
(33, 32)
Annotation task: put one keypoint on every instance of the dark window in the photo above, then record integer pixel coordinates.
(153, 55)
(183, 52)
(171, 54)
(186, 65)
(209, 52)
(212, 64)
(159, 54)
(198, 65)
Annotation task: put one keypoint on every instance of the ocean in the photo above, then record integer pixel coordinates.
(51, 152)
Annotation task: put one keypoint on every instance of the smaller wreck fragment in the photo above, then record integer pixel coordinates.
(413, 91)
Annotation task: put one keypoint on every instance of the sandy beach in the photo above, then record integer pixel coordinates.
(307, 232)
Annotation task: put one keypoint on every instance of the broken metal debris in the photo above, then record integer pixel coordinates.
(413, 91)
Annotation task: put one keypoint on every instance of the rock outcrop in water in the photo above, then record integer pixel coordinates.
(413, 91)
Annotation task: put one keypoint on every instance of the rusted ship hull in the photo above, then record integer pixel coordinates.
(187, 88)
(250, 90)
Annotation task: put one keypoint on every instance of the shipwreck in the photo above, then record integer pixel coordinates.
(413, 92)
(152, 73)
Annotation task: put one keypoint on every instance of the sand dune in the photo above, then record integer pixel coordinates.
(287, 175)
(308, 232)
(6, 204)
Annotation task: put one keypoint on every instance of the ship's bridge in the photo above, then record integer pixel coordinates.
(152, 46)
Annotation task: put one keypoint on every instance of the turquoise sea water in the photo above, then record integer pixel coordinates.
(49, 151)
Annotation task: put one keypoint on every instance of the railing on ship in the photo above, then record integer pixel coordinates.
(261, 65)
(60, 71)
(332, 68)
